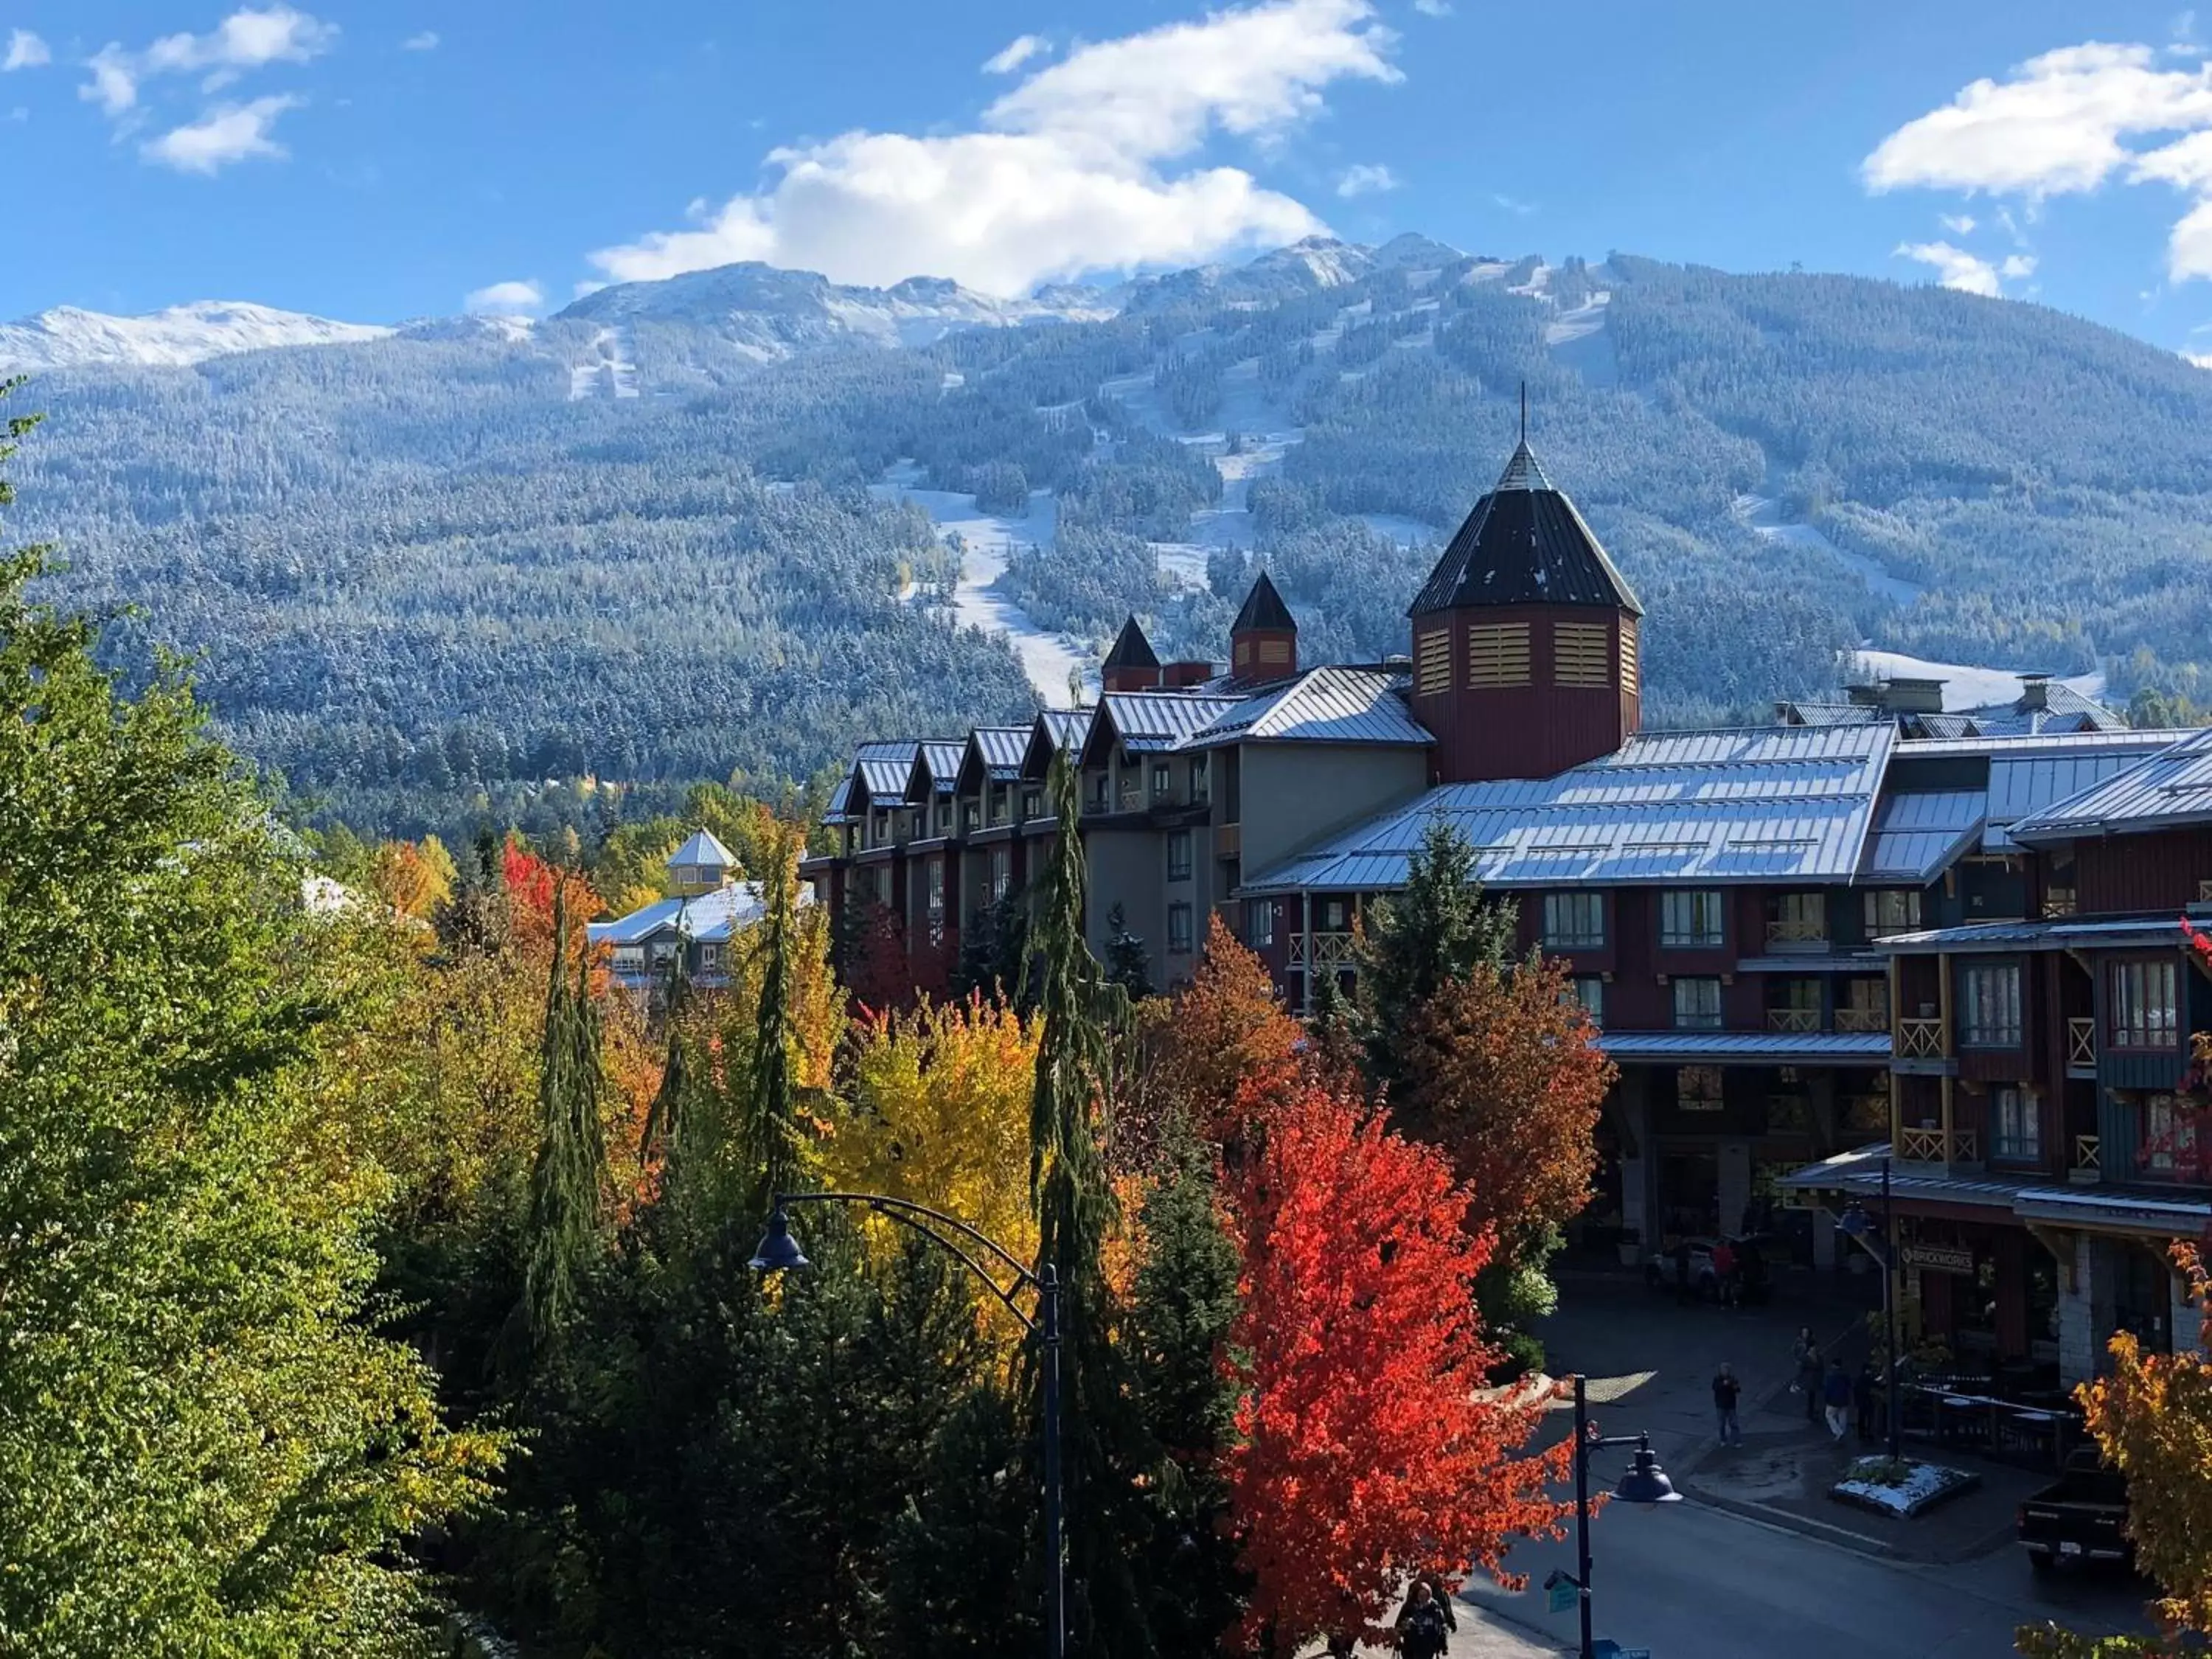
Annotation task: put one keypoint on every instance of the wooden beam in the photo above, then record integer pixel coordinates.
(2064, 1250)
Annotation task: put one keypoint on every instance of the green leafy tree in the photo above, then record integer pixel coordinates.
(206, 1446)
(1434, 931)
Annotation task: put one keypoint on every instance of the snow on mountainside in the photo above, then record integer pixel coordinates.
(769, 313)
(66, 337)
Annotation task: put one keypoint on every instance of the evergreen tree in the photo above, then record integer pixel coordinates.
(568, 1177)
(775, 1140)
(1433, 931)
(993, 949)
(1129, 964)
(1105, 1447)
(962, 1556)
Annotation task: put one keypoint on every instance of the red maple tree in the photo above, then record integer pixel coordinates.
(1369, 1449)
(532, 883)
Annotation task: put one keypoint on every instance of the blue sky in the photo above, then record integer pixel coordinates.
(374, 163)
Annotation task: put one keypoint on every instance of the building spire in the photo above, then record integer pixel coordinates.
(1524, 415)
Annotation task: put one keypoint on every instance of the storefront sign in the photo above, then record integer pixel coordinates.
(1940, 1258)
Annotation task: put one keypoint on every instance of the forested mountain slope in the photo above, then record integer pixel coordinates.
(426, 573)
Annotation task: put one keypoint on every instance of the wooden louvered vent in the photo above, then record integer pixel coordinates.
(1432, 672)
(1498, 654)
(1628, 654)
(1581, 655)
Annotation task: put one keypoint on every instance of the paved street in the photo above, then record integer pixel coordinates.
(1692, 1582)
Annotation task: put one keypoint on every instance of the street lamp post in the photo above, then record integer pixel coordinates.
(778, 1252)
(1855, 1224)
(1644, 1483)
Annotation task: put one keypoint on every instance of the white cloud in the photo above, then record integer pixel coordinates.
(1365, 178)
(426, 41)
(1968, 272)
(1514, 204)
(1433, 8)
(1071, 172)
(1959, 224)
(25, 51)
(505, 299)
(249, 39)
(1016, 52)
(2202, 359)
(226, 134)
(2070, 121)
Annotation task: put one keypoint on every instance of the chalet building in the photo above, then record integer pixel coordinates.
(1762, 921)
(705, 909)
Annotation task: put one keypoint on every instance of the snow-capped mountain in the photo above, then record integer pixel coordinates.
(1307, 266)
(66, 337)
(767, 312)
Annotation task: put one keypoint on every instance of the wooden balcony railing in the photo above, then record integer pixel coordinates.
(2057, 902)
(1927, 1146)
(1133, 797)
(1796, 935)
(1321, 949)
(2081, 1042)
(1861, 1019)
(1794, 1021)
(2088, 1161)
(1919, 1039)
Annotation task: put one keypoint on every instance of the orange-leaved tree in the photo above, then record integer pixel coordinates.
(1504, 1075)
(1368, 1449)
(1229, 1042)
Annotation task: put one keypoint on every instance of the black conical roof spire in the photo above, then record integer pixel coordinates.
(1131, 649)
(1264, 610)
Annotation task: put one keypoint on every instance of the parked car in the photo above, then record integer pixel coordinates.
(1662, 1271)
(2081, 1517)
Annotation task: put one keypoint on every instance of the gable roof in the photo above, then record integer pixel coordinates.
(703, 851)
(993, 752)
(1769, 804)
(1524, 543)
(2171, 789)
(936, 762)
(1131, 649)
(709, 917)
(1052, 731)
(1153, 722)
(1323, 705)
(1264, 609)
(1918, 832)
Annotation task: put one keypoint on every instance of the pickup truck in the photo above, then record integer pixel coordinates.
(2082, 1516)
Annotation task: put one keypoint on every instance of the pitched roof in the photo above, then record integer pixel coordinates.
(883, 765)
(2172, 788)
(703, 851)
(998, 749)
(1766, 804)
(1918, 832)
(1130, 648)
(1153, 722)
(1052, 731)
(941, 758)
(1524, 543)
(1264, 609)
(709, 917)
(1323, 705)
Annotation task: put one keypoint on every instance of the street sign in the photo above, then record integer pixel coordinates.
(1940, 1258)
(1562, 1595)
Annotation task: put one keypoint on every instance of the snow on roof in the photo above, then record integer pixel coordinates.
(1323, 705)
(710, 917)
(703, 851)
(2172, 787)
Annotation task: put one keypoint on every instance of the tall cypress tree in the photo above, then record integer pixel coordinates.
(776, 1145)
(1104, 1445)
(568, 1176)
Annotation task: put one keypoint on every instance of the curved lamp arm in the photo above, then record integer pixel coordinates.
(917, 1218)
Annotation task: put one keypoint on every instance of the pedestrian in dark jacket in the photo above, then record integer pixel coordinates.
(1863, 1387)
(1836, 1394)
(1806, 1355)
(1424, 1628)
(1725, 1393)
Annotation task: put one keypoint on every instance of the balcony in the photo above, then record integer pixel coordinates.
(1861, 1019)
(1133, 797)
(2087, 1168)
(1793, 1021)
(1800, 936)
(1919, 1039)
(1928, 1146)
(1324, 950)
(1229, 841)
(2081, 1046)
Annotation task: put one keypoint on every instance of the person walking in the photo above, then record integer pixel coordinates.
(1807, 1354)
(1725, 1271)
(1424, 1627)
(1836, 1394)
(1725, 1391)
(1863, 1387)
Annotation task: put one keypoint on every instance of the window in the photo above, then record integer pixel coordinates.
(1335, 915)
(1581, 655)
(2015, 1127)
(1794, 1005)
(1259, 922)
(1891, 911)
(1698, 1089)
(710, 958)
(1032, 803)
(1160, 786)
(1865, 1006)
(1574, 922)
(1179, 930)
(2169, 1136)
(2143, 1013)
(944, 817)
(997, 803)
(1101, 791)
(1797, 918)
(1589, 990)
(935, 889)
(1696, 1003)
(1179, 855)
(971, 816)
(1498, 653)
(1690, 921)
(1199, 779)
(1002, 872)
(1991, 996)
(1433, 662)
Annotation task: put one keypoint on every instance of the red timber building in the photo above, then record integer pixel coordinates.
(1762, 920)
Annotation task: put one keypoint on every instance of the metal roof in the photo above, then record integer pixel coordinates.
(2144, 740)
(2172, 787)
(1829, 713)
(2020, 787)
(998, 749)
(1131, 649)
(838, 798)
(709, 917)
(2164, 929)
(1323, 705)
(1524, 543)
(1860, 1171)
(1748, 1048)
(882, 766)
(1918, 832)
(704, 851)
(1153, 722)
(1764, 804)
(941, 759)
(1264, 610)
